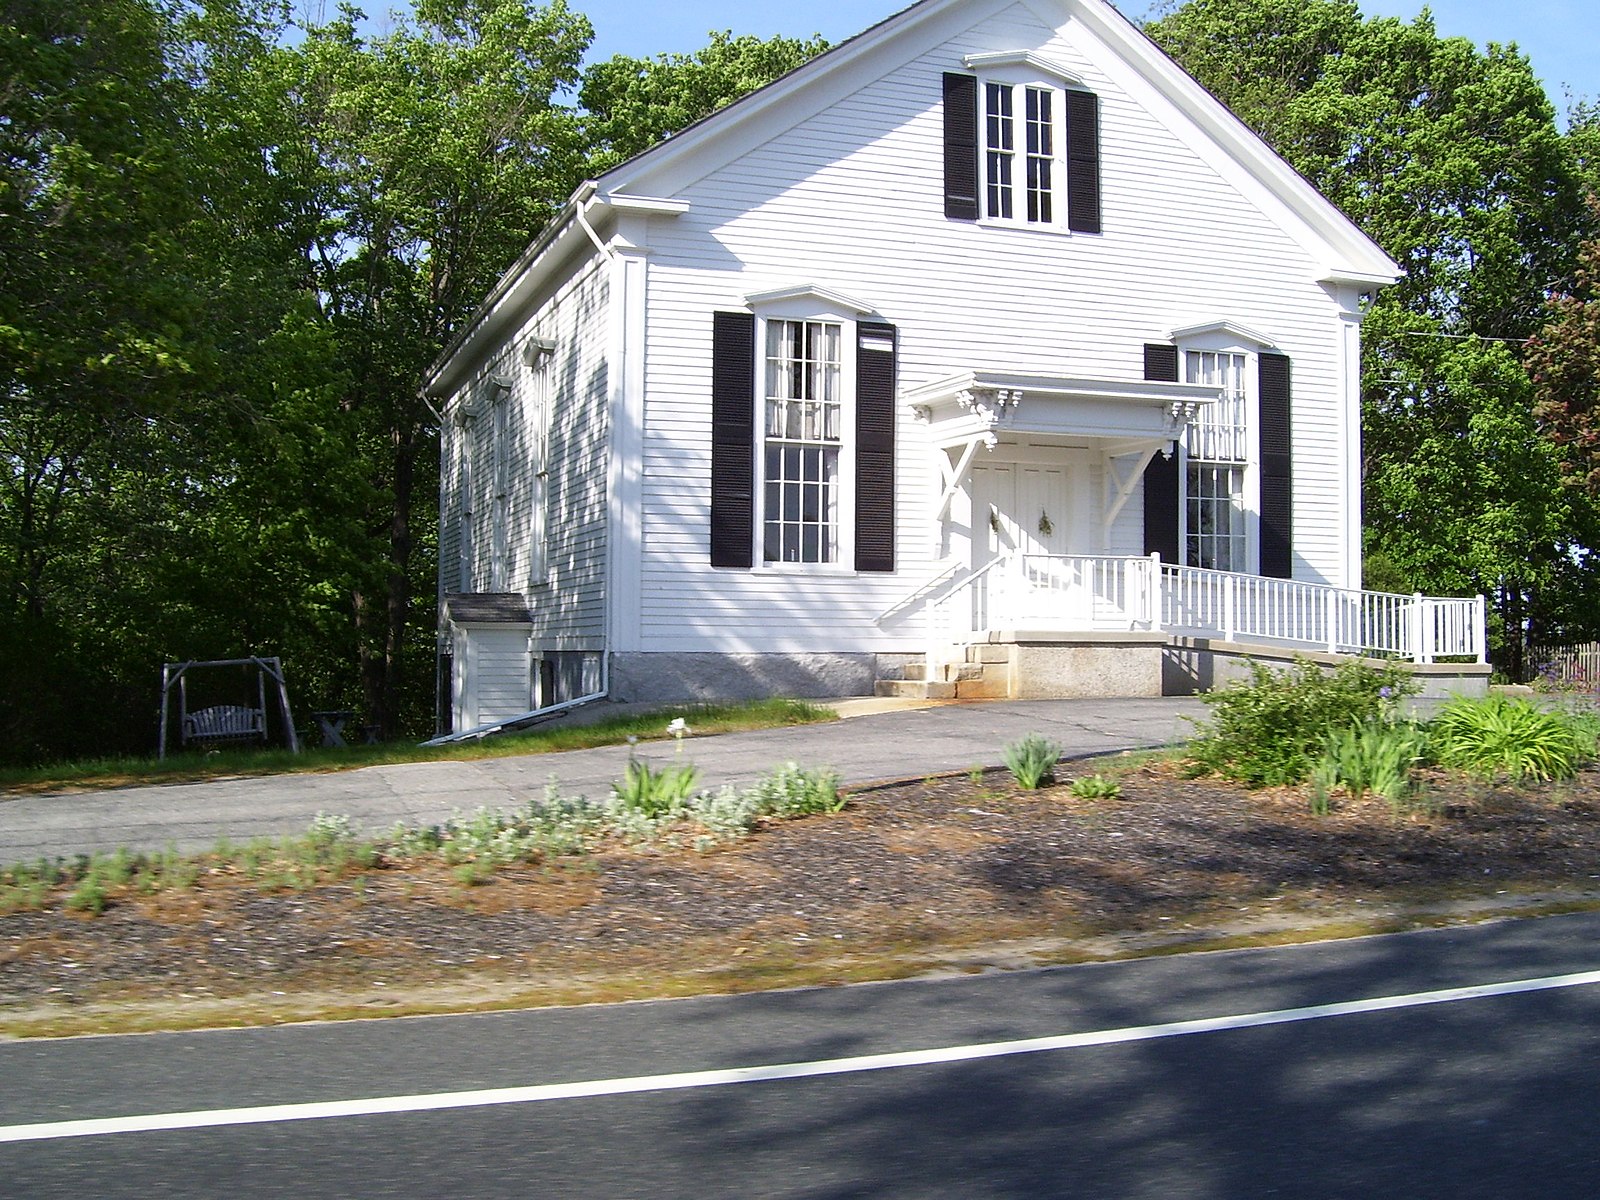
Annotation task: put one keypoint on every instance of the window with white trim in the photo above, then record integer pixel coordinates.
(803, 442)
(1216, 506)
(1022, 145)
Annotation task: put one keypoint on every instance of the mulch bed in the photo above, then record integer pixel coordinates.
(919, 864)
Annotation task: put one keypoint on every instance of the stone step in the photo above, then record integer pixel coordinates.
(944, 672)
(983, 652)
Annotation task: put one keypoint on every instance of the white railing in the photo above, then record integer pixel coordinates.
(1046, 592)
(1253, 608)
(922, 592)
(1082, 593)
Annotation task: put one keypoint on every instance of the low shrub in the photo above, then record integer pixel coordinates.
(1501, 735)
(1032, 760)
(1095, 787)
(792, 791)
(88, 896)
(1268, 730)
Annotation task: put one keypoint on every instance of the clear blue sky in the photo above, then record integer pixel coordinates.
(1561, 37)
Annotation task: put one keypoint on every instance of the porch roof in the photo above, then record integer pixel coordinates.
(978, 404)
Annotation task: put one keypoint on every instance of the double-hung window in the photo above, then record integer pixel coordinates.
(1021, 144)
(803, 433)
(803, 442)
(1021, 141)
(1227, 502)
(1218, 463)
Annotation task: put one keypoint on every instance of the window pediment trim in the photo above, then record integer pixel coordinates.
(1226, 327)
(996, 60)
(809, 295)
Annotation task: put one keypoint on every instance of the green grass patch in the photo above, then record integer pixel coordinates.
(569, 733)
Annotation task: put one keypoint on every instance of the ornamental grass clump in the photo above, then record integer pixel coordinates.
(1374, 757)
(1268, 730)
(655, 793)
(1506, 736)
(1032, 760)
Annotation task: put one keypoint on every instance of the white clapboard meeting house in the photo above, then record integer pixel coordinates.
(985, 355)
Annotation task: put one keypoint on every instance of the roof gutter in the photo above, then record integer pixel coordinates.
(513, 276)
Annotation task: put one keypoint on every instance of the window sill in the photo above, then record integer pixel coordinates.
(1024, 227)
(809, 569)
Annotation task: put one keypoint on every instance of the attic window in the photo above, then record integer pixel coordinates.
(1021, 147)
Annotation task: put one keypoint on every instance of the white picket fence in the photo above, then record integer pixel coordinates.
(1084, 593)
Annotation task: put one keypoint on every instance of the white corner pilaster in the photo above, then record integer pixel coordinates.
(626, 385)
(1352, 309)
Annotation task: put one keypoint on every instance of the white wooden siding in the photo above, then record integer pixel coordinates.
(852, 200)
(493, 679)
(567, 597)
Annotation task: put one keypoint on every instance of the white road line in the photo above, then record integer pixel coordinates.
(160, 1122)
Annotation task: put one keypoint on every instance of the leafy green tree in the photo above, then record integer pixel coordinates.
(440, 149)
(1563, 359)
(633, 103)
(171, 432)
(1449, 157)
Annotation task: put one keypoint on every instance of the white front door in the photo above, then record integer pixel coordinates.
(1020, 508)
(1027, 512)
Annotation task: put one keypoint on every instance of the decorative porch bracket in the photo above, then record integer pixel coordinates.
(952, 477)
(1119, 483)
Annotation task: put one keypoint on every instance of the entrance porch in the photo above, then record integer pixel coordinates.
(1030, 625)
(1044, 495)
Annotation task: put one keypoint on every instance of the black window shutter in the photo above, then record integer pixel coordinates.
(1161, 497)
(1083, 162)
(1277, 471)
(733, 439)
(875, 420)
(961, 147)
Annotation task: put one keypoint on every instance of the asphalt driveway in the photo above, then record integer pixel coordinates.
(864, 748)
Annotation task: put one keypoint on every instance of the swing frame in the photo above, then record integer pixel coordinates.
(221, 723)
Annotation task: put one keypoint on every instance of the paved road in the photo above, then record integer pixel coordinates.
(863, 749)
(1400, 1066)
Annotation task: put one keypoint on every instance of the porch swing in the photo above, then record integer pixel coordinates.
(218, 724)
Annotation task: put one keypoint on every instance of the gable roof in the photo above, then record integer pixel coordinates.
(649, 181)
(722, 137)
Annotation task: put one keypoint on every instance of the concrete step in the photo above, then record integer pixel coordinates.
(990, 688)
(916, 689)
(983, 652)
(984, 675)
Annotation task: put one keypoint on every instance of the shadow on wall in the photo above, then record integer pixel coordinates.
(715, 677)
(1192, 666)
